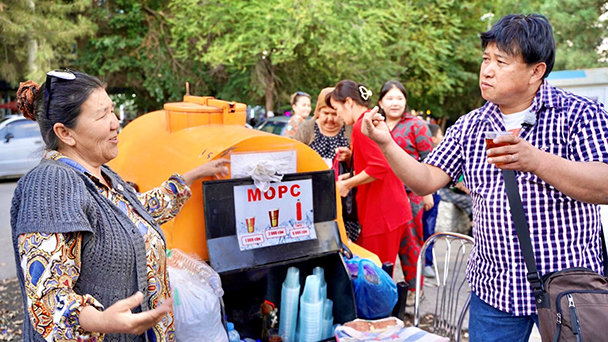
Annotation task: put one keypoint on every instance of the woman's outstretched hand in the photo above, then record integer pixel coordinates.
(118, 318)
(217, 168)
(375, 127)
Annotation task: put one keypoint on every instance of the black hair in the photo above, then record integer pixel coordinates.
(434, 129)
(386, 87)
(67, 97)
(528, 35)
(348, 88)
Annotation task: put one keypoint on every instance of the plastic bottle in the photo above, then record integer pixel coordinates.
(233, 335)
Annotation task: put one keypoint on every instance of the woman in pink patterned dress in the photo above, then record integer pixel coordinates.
(413, 135)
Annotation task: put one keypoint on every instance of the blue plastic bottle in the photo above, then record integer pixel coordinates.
(233, 335)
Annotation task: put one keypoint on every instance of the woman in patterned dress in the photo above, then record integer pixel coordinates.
(89, 248)
(413, 135)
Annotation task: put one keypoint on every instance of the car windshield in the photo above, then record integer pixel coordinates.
(4, 119)
(275, 127)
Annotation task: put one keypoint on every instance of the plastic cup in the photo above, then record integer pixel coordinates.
(491, 135)
(312, 290)
(328, 309)
(320, 272)
(292, 279)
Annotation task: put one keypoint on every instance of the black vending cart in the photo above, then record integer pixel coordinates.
(253, 237)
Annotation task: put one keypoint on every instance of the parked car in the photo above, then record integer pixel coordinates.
(21, 146)
(276, 125)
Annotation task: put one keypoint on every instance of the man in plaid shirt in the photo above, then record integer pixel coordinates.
(559, 152)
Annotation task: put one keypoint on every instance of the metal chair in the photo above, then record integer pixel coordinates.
(450, 308)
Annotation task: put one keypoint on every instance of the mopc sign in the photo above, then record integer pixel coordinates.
(283, 214)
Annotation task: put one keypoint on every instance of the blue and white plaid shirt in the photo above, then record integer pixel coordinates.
(564, 232)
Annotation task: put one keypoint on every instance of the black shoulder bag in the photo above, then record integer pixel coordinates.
(349, 203)
(572, 304)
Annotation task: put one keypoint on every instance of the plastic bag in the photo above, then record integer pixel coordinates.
(375, 290)
(197, 296)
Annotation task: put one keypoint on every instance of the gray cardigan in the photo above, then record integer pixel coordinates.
(56, 198)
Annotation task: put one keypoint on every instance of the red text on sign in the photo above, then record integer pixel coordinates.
(299, 232)
(254, 195)
(275, 233)
(254, 239)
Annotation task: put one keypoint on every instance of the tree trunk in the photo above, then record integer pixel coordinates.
(269, 81)
(269, 95)
(32, 47)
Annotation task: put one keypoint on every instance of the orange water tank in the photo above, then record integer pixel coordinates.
(186, 134)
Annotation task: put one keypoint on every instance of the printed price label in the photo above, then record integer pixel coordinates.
(275, 233)
(254, 239)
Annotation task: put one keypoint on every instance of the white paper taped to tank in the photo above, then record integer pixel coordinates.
(263, 167)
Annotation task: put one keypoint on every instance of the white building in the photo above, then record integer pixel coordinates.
(592, 83)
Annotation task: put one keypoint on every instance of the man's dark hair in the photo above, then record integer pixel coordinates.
(528, 35)
(434, 129)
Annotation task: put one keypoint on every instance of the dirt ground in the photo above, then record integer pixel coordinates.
(11, 310)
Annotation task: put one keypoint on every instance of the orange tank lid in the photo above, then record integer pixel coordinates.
(190, 107)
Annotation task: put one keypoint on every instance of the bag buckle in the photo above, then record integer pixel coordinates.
(535, 281)
(538, 286)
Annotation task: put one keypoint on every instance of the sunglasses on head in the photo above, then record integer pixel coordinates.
(301, 93)
(64, 74)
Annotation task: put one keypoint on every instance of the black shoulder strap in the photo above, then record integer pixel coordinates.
(604, 252)
(352, 161)
(523, 233)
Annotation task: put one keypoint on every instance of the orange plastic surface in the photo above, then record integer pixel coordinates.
(187, 134)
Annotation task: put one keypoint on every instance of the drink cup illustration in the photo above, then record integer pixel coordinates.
(250, 224)
(273, 215)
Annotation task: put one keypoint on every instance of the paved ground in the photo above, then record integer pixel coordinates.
(11, 312)
(430, 287)
(7, 261)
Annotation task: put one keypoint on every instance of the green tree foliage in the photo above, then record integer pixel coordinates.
(260, 51)
(577, 28)
(40, 35)
(132, 52)
(279, 46)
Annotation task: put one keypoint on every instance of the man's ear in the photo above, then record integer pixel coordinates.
(64, 134)
(538, 71)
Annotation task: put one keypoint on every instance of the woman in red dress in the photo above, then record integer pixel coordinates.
(412, 135)
(382, 204)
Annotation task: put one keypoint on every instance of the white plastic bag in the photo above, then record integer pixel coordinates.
(196, 293)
